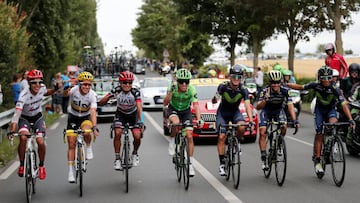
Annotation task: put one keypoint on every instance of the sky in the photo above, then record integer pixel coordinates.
(116, 19)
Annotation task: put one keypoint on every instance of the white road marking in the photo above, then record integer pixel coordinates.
(298, 140)
(224, 191)
(55, 125)
(9, 170)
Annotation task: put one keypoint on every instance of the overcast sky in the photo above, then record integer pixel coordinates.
(116, 19)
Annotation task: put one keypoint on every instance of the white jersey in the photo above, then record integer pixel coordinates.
(30, 104)
(81, 104)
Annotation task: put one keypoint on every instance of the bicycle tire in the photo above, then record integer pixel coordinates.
(127, 165)
(28, 177)
(337, 159)
(186, 161)
(80, 169)
(35, 171)
(178, 161)
(269, 156)
(280, 160)
(235, 162)
(228, 161)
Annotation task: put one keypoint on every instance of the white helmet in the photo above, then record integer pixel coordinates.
(335, 73)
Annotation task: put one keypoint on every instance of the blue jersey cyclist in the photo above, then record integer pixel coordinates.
(129, 110)
(273, 99)
(231, 93)
(327, 95)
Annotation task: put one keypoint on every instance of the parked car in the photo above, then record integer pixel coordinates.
(139, 69)
(153, 91)
(206, 89)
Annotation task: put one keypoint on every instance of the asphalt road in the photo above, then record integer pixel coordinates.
(155, 179)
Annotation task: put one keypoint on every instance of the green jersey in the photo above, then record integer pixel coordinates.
(181, 101)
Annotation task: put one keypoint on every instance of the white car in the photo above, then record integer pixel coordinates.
(153, 91)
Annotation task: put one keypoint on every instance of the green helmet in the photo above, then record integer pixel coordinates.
(278, 67)
(183, 74)
(287, 72)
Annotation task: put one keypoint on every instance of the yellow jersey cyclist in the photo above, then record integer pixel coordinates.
(232, 93)
(272, 101)
(82, 113)
(179, 98)
(29, 110)
(327, 95)
(129, 110)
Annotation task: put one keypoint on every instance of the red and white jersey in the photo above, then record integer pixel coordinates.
(30, 104)
(81, 104)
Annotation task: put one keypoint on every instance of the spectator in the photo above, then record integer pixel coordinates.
(65, 99)
(16, 86)
(259, 79)
(335, 61)
(24, 83)
(58, 95)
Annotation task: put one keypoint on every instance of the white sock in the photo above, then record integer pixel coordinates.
(172, 140)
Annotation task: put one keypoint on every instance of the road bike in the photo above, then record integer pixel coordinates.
(80, 161)
(233, 151)
(30, 163)
(276, 150)
(125, 158)
(333, 152)
(181, 158)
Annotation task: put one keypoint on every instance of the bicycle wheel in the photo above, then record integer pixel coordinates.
(28, 177)
(34, 155)
(269, 157)
(281, 160)
(337, 159)
(228, 161)
(186, 161)
(79, 170)
(127, 165)
(235, 162)
(178, 161)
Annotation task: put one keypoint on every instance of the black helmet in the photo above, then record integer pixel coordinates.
(354, 67)
(237, 70)
(325, 71)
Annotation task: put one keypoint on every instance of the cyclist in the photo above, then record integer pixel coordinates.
(288, 76)
(82, 113)
(129, 110)
(327, 94)
(231, 92)
(179, 98)
(273, 98)
(348, 83)
(29, 110)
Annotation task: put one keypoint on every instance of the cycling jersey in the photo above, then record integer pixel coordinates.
(277, 100)
(29, 104)
(230, 99)
(81, 104)
(126, 101)
(326, 97)
(181, 101)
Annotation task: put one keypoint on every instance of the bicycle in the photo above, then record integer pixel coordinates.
(125, 158)
(181, 158)
(333, 152)
(276, 150)
(233, 151)
(80, 161)
(30, 163)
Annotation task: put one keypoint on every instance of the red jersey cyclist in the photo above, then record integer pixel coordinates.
(28, 111)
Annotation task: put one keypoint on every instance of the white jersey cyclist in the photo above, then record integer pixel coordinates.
(81, 104)
(30, 104)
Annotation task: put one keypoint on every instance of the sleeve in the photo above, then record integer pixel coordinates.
(339, 95)
(194, 94)
(310, 85)
(245, 94)
(93, 100)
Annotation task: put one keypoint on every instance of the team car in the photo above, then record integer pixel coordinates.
(101, 88)
(206, 89)
(153, 91)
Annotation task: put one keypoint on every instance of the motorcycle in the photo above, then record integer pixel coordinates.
(250, 85)
(353, 145)
(296, 96)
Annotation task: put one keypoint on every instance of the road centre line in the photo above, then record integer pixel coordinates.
(224, 191)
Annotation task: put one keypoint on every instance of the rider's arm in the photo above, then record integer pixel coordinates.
(197, 110)
(295, 86)
(15, 120)
(104, 100)
(139, 110)
(169, 94)
(291, 110)
(248, 110)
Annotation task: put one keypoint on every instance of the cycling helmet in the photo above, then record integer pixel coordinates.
(237, 70)
(287, 72)
(35, 74)
(335, 73)
(126, 76)
(278, 67)
(329, 46)
(354, 67)
(275, 75)
(85, 76)
(325, 71)
(183, 74)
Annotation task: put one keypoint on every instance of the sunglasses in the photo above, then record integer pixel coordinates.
(127, 82)
(181, 81)
(36, 82)
(329, 77)
(237, 77)
(275, 82)
(85, 84)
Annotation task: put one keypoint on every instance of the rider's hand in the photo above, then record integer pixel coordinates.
(267, 94)
(214, 100)
(200, 123)
(10, 135)
(95, 131)
(352, 123)
(173, 86)
(296, 124)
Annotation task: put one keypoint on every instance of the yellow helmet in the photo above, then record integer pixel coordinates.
(85, 76)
